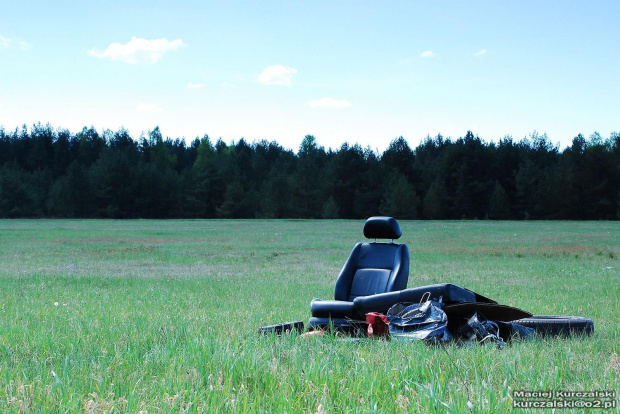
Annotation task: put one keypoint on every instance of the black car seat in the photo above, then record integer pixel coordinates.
(372, 268)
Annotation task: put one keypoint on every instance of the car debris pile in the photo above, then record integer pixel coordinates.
(371, 299)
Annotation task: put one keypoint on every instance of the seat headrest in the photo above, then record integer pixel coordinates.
(382, 228)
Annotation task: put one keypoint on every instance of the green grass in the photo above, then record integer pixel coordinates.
(161, 316)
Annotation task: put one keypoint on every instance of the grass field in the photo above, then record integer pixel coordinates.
(161, 316)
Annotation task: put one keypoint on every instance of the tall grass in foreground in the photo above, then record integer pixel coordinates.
(161, 316)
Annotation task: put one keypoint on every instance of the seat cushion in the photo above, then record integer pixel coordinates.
(332, 308)
(369, 282)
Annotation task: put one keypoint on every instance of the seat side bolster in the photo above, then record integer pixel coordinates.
(400, 272)
(342, 291)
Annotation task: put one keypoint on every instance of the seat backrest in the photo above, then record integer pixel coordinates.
(375, 267)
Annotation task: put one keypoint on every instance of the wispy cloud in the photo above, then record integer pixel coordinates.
(277, 75)
(328, 102)
(428, 54)
(191, 85)
(138, 50)
(228, 85)
(149, 108)
(7, 42)
(481, 52)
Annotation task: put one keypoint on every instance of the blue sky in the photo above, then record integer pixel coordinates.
(344, 71)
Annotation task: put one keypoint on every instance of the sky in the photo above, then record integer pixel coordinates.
(363, 72)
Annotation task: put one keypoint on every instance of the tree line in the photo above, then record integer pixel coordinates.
(47, 172)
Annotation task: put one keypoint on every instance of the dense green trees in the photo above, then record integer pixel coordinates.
(55, 173)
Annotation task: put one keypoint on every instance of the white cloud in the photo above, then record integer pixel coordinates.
(6, 42)
(328, 102)
(195, 85)
(277, 75)
(481, 52)
(428, 54)
(138, 50)
(228, 85)
(149, 108)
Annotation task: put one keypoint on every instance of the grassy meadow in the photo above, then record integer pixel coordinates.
(162, 316)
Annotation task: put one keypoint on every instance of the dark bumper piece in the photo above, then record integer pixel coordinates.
(447, 292)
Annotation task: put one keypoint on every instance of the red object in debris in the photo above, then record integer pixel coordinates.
(377, 324)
